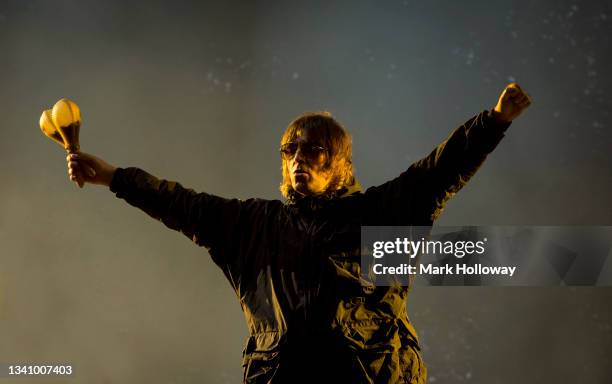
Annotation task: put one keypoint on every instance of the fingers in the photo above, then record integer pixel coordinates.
(523, 99)
(512, 91)
(80, 161)
(73, 156)
(78, 179)
(518, 96)
(515, 87)
(75, 170)
(85, 158)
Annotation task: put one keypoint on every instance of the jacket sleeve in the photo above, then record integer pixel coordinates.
(420, 193)
(207, 220)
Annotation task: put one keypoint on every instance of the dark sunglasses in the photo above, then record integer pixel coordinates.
(310, 151)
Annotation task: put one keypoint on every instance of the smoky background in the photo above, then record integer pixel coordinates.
(200, 92)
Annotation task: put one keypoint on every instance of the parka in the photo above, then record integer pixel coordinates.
(295, 265)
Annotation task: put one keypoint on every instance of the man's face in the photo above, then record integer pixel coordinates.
(305, 160)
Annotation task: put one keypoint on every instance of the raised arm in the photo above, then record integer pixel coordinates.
(453, 163)
(421, 191)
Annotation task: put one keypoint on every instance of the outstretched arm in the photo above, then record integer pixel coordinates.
(206, 219)
(418, 195)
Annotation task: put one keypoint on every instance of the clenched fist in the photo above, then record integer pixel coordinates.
(85, 168)
(512, 102)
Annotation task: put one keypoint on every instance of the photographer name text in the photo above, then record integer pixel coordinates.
(430, 269)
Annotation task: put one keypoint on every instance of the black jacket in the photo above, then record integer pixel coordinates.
(295, 266)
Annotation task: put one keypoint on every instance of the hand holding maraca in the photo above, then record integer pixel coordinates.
(102, 171)
(62, 125)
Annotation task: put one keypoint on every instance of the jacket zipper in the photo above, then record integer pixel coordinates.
(308, 270)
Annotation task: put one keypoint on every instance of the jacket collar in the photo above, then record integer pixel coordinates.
(315, 202)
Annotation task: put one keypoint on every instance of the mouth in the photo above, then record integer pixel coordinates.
(300, 172)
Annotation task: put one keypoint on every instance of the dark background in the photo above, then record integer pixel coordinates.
(200, 92)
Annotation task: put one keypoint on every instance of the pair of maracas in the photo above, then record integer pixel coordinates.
(62, 124)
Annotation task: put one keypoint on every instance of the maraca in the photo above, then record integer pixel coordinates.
(49, 129)
(66, 117)
(62, 124)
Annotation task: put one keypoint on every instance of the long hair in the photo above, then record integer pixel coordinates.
(330, 134)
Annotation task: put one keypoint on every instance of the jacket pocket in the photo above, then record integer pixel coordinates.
(365, 329)
(412, 366)
(260, 358)
(381, 356)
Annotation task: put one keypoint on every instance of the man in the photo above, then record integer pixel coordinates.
(295, 265)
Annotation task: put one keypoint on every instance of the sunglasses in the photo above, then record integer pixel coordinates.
(310, 151)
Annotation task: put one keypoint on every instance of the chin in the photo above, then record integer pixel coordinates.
(301, 188)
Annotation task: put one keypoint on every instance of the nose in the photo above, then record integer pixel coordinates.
(299, 155)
